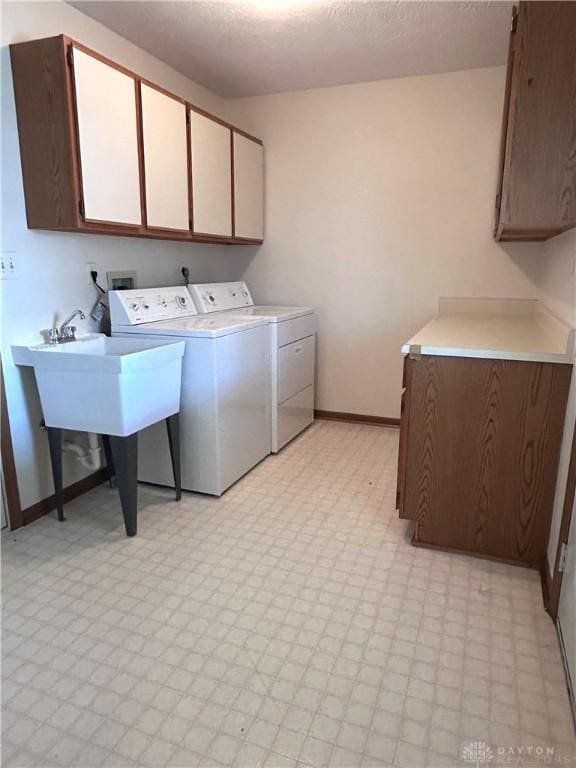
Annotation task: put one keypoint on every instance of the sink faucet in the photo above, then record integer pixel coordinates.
(66, 332)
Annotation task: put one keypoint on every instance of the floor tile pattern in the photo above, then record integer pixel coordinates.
(288, 623)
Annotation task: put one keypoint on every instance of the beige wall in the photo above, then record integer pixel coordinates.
(380, 199)
(557, 279)
(52, 274)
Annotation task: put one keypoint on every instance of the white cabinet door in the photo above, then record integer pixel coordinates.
(165, 160)
(108, 141)
(248, 188)
(211, 176)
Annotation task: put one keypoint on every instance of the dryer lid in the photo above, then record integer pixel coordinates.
(194, 327)
(276, 314)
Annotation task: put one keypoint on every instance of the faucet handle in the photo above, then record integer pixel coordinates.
(53, 335)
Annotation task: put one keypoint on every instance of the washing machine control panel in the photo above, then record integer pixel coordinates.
(149, 305)
(215, 297)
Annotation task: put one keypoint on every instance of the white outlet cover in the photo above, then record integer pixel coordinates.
(8, 265)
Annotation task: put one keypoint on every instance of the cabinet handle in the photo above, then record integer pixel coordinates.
(297, 350)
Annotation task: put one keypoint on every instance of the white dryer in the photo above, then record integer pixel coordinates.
(292, 353)
(225, 411)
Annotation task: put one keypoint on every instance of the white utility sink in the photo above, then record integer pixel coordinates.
(111, 386)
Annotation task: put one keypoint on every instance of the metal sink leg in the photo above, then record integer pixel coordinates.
(173, 427)
(125, 458)
(55, 444)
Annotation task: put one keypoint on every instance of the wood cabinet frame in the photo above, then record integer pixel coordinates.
(403, 439)
(49, 147)
(536, 193)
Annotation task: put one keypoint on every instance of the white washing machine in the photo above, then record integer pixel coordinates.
(292, 353)
(225, 412)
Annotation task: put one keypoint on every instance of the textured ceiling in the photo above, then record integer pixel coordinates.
(266, 46)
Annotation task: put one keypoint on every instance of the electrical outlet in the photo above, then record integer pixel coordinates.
(8, 265)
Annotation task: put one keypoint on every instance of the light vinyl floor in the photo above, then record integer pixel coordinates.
(288, 623)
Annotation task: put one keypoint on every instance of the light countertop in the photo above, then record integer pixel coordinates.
(505, 329)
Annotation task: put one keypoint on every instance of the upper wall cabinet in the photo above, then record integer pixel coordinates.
(211, 169)
(248, 188)
(107, 122)
(105, 152)
(537, 195)
(165, 160)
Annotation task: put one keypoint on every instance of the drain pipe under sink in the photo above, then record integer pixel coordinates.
(90, 457)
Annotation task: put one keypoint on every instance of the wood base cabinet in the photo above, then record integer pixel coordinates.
(479, 449)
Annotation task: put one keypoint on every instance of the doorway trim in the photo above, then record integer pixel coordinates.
(13, 506)
(553, 584)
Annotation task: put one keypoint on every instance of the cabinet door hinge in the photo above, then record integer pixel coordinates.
(190, 226)
(81, 207)
(563, 557)
(69, 58)
(187, 117)
(415, 352)
(498, 202)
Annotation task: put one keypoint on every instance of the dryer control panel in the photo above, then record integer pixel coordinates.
(149, 305)
(215, 297)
